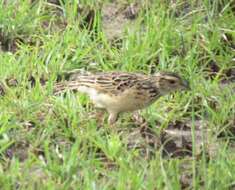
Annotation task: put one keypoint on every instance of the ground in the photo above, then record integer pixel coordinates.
(185, 140)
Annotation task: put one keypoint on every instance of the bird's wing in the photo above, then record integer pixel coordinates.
(112, 83)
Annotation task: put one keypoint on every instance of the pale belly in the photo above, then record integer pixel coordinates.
(121, 103)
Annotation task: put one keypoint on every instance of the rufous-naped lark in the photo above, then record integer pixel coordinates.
(119, 92)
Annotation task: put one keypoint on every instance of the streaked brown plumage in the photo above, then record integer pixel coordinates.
(121, 92)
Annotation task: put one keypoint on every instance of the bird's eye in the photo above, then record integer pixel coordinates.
(172, 82)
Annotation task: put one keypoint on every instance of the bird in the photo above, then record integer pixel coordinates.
(119, 92)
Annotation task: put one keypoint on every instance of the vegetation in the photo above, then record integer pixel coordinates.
(185, 141)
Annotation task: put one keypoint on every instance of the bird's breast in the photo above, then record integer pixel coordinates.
(122, 102)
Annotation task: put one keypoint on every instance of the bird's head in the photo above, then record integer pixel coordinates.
(169, 82)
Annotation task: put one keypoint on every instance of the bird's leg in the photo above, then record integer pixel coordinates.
(139, 119)
(113, 116)
(100, 117)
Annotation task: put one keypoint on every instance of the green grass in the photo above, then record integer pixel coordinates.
(49, 142)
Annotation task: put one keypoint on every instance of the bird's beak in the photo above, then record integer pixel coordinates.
(186, 85)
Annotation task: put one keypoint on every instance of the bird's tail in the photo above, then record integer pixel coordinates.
(64, 86)
(74, 85)
(75, 79)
